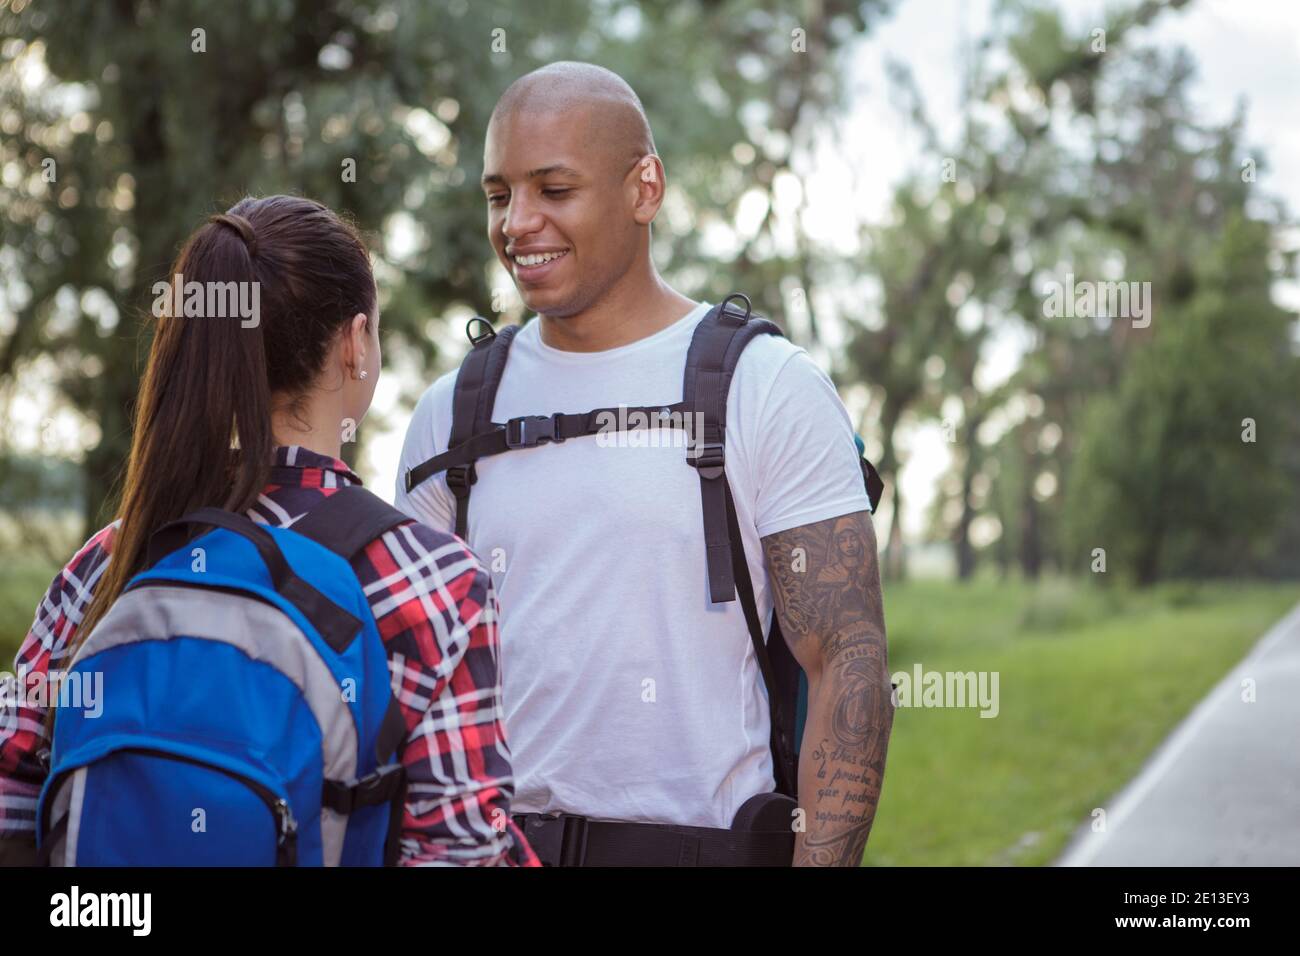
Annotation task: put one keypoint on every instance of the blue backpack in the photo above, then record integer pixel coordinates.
(246, 716)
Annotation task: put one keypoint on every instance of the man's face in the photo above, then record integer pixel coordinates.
(559, 210)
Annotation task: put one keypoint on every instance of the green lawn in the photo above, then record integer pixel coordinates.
(1090, 682)
(23, 581)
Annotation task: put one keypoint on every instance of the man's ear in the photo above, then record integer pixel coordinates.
(649, 173)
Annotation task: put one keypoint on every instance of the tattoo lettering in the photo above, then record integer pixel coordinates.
(826, 588)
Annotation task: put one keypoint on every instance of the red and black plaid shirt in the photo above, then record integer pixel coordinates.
(437, 616)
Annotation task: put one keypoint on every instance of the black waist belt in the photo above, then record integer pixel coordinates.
(567, 840)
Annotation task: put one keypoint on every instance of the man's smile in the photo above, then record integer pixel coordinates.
(535, 265)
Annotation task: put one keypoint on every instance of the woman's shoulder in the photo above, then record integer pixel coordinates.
(416, 544)
(94, 553)
(413, 571)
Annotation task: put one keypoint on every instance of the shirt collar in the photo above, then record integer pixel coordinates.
(296, 465)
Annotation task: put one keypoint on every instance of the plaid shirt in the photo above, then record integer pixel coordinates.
(437, 615)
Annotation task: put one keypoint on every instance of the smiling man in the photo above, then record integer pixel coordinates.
(575, 231)
(634, 698)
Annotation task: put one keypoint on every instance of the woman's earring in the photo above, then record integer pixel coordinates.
(363, 374)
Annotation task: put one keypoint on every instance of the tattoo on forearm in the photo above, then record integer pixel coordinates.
(826, 588)
(850, 763)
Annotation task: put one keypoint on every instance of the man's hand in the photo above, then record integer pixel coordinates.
(826, 588)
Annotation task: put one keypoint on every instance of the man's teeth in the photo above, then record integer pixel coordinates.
(539, 258)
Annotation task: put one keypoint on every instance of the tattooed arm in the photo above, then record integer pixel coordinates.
(826, 586)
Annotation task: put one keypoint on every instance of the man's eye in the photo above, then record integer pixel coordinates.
(496, 199)
(555, 193)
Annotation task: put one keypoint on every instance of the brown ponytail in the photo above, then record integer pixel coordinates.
(203, 432)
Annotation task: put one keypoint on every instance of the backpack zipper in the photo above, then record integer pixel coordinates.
(286, 827)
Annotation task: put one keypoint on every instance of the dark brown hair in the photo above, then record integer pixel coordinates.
(203, 432)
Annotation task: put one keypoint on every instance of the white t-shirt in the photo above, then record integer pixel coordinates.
(627, 694)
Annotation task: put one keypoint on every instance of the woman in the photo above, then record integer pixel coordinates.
(289, 379)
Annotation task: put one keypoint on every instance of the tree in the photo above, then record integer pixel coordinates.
(1181, 471)
(155, 115)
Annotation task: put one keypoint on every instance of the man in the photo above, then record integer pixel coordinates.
(630, 696)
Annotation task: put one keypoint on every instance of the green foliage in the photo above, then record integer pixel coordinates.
(1100, 167)
(1068, 161)
(148, 136)
(22, 585)
(1164, 479)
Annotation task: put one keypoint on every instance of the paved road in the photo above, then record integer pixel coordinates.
(1224, 787)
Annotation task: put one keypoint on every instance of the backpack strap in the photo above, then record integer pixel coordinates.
(474, 435)
(471, 408)
(718, 342)
(336, 626)
(528, 431)
(348, 520)
(775, 662)
(346, 523)
(471, 414)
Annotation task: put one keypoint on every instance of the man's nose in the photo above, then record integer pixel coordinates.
(522, 218)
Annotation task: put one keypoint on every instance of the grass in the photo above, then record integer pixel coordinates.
(23, 582)
(1091, 681)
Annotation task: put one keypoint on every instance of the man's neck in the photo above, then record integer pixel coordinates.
(632, 310)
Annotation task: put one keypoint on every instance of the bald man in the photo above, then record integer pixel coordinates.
(629, 696)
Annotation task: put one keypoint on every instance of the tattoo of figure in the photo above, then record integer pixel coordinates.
(831, 614)
(836, 583)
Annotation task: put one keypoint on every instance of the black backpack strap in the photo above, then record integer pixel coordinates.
(875, 484)
(529, 431)
(345, 523)
(471, 413)
(718, 342)
(348, 520)
(779, 669)
(336, 626)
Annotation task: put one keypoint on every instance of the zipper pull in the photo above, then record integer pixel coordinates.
(288, 825)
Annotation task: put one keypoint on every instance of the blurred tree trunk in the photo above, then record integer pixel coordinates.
(895, 564)
(1147, 567)
(961, 536)
(1031, 547)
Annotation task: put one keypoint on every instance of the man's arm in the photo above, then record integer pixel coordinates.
(826, 588)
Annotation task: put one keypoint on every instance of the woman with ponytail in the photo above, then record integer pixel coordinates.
(248, 412)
